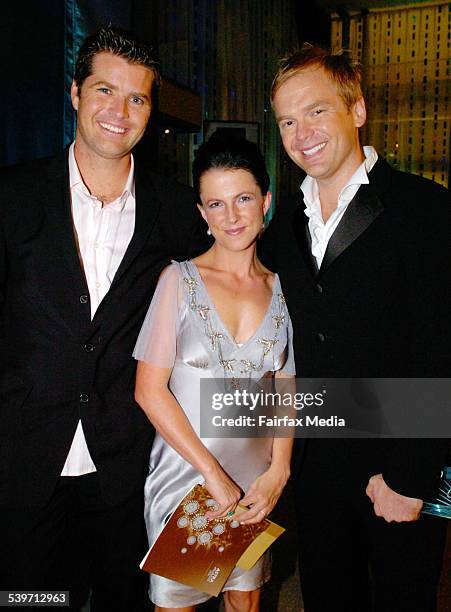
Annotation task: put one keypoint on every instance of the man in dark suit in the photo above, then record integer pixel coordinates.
(363, 254)
(83, 238)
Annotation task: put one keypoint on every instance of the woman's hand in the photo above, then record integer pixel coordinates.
(263, 494)
(223, 490)
(171, 422)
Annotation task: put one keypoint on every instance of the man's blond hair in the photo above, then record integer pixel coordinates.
(345, 72)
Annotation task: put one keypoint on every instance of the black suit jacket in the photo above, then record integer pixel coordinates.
(57, 365)
(378, 307)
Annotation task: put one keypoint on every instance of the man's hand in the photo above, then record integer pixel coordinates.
(390, 505)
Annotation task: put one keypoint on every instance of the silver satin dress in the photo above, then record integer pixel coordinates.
(182, 330)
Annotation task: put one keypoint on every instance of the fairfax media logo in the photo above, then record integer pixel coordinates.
(213, 574)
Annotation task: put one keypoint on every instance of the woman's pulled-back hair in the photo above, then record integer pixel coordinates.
(230, 153)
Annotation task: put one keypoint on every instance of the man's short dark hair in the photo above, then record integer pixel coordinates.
(119, 42)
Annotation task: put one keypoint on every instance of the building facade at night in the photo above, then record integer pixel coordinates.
(405, 51)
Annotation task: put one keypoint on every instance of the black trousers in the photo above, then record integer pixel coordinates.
(353, 561)
(78, 543)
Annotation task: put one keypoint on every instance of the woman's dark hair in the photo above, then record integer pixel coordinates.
(231, 154)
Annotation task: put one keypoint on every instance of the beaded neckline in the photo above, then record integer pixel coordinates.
(219, 338)
(212, 308)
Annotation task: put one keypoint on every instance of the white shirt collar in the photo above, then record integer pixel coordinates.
(310, 188)
(76, 181)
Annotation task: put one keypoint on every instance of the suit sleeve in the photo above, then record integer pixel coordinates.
(3, 285)
(3, 271)
(414, 465)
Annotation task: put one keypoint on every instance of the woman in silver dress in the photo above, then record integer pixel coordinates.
(220, 315)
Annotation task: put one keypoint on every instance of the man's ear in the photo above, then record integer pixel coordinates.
(74, 95)
(359, 112)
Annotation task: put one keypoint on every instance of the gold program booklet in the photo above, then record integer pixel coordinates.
(202, 553)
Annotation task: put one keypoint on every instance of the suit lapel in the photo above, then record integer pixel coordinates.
(66, 282)
(363, 209)
(58, 204)
(303, 238)
(147, 208)
(61, 250)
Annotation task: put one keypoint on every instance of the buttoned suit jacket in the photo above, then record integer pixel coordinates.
(58, 366)
(378, 307)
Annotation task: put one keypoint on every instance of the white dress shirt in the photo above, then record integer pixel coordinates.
(103, 235)
(321, 232)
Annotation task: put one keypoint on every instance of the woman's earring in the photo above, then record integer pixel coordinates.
(208, 232)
